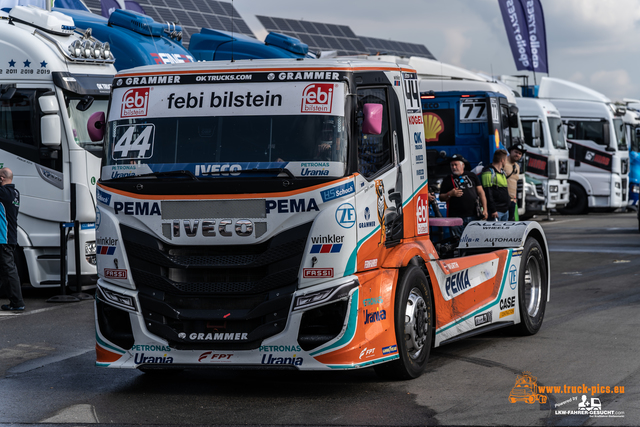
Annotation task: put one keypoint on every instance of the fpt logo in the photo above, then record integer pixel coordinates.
(135, 102)
(317, 98)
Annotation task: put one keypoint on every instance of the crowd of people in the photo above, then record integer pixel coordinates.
(492, 196)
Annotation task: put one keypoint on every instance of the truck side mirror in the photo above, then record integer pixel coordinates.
(372, 119)
(535, 134)
(96, 125)
(513, 120)
(50, 131)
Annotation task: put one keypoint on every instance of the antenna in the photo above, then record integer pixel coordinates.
(233, 9)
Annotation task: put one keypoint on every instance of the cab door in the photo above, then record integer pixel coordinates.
(38, 170)
(377, 160)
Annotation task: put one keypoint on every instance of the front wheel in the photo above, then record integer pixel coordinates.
(413, 327)
(532, 288)
(578, 202)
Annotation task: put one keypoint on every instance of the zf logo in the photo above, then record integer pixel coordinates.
(346, 215)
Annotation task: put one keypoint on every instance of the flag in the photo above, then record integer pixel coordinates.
(524, 23)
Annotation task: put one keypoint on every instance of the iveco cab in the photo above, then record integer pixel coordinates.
(273, 214)
(53, 80)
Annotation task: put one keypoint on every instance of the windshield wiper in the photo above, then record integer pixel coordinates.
(255, 170)
(159, 175)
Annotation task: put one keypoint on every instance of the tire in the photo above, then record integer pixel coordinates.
(413, 323)
(532, 288)
(578, 202)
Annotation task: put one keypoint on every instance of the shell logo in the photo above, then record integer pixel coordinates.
(433, 127)
(497, 140)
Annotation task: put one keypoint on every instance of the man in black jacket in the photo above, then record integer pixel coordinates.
(9, 204)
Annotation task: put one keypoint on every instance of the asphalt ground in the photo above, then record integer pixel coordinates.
(590, 336)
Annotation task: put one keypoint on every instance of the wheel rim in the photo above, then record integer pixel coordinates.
(416, 324)
(532, 286)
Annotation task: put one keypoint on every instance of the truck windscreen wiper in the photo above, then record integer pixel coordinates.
(186, 173)
(254, 170)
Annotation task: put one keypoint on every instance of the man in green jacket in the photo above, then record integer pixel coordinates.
(494, 183)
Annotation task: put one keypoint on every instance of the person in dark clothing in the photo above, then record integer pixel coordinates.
(462, 190)
(9, 205)
(494, 182)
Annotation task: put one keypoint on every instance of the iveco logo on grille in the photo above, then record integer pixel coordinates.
(209, 228)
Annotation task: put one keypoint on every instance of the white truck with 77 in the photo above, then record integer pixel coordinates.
(274, 214)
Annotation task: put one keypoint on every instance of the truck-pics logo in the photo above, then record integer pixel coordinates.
(526, 390)
(135, 102)
(317, 98)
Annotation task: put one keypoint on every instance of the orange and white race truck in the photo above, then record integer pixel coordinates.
(274, 213)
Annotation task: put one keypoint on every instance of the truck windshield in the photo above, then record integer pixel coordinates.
(306, 145)
(79, 119)
(557, 132)
(621, 135)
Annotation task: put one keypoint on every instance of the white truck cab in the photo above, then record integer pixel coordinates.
(52, 81)
(598, 149)
(547, 158)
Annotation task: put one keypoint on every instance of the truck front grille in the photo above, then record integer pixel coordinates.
(215, 297)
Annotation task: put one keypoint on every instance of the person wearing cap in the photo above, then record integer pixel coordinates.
(494, 182)
(463, 193)
(512, 172)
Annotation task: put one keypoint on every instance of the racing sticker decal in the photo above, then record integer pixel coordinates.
(537, 164)
(433, 127)
(473, 110)
(133, 142)
(459, 282)
(439, 126)
(382, 208)
(598, 159)
(228, 100)
(422, 214)
(412, 93)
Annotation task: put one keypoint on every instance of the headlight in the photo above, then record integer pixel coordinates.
(324, 296)
(90, 252)
(118, 298)
(635, 189)
(617, 185)
(553, 188)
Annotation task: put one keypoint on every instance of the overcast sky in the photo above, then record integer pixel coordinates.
(591, 42)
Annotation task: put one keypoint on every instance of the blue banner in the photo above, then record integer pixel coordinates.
(537, 35)
(524, 23)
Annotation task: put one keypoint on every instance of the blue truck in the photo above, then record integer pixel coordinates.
(136, 39)
(468, 117)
